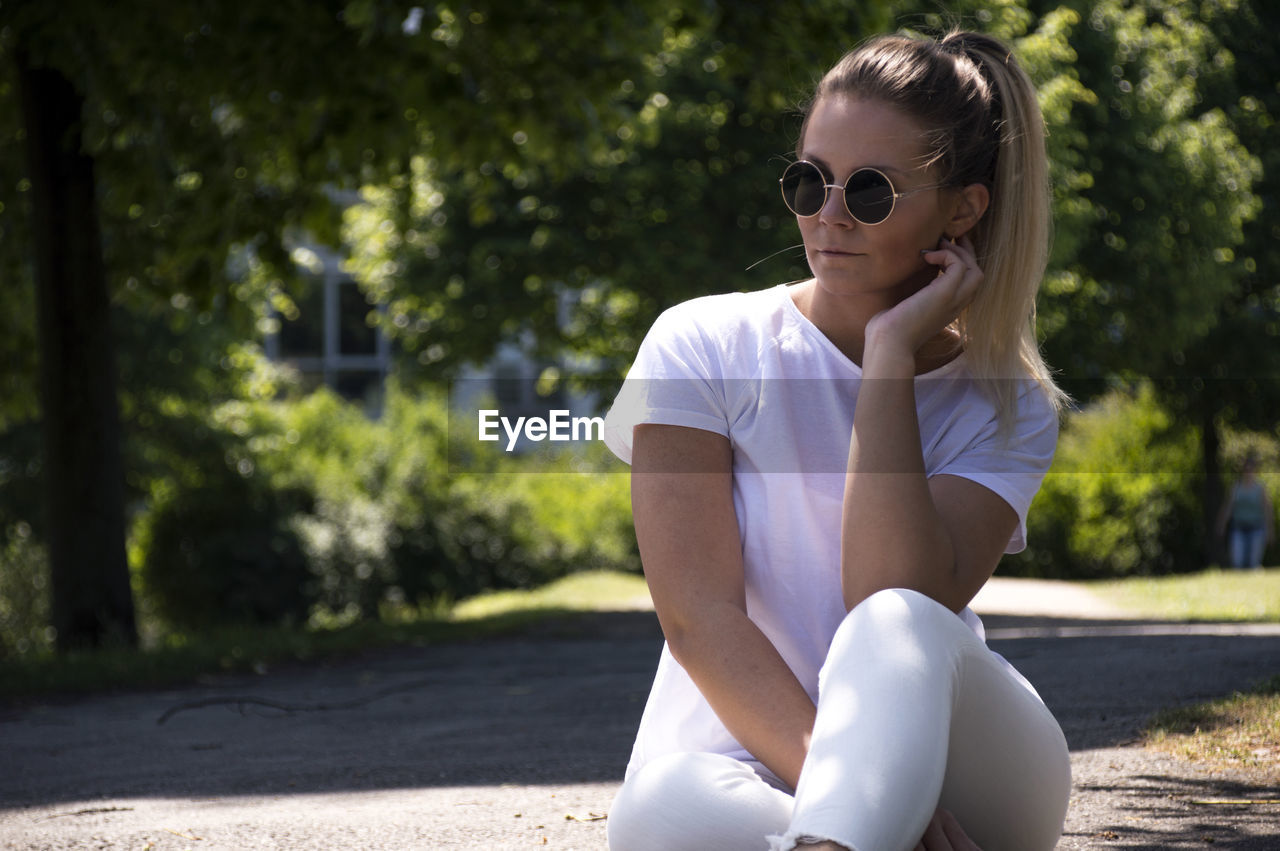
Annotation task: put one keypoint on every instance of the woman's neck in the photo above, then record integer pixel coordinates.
(843, 319)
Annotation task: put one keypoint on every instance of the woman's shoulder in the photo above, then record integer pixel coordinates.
(957, 401)
(728, 308)
(734, 318)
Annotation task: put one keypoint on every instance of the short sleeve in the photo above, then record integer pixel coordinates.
(1014, 465)
(675, 380)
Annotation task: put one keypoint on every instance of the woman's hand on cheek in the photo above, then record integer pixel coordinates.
(923, 315)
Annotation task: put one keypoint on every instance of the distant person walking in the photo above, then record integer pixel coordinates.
(1247, 519)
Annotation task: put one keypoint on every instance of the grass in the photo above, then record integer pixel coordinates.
(257, 649)
(595, 591)
(1211, 595)
(1239, 733)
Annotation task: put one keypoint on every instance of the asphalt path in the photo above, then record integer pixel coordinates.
(520, 742)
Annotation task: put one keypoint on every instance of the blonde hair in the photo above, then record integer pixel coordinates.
(985, 126)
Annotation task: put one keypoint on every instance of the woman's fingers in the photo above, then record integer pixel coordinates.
(957, 259)
(955, 834)
(944, 833)
(935, 838)
(958, 275)
(921, 316)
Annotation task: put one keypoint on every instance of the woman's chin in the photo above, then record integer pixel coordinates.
(851, 282)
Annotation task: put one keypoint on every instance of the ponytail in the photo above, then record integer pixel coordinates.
(1013, 236)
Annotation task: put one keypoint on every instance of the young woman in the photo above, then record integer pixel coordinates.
(825, 473)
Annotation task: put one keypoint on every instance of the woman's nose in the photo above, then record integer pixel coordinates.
(834, 210)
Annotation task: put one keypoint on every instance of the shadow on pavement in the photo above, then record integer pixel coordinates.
(1104, 679)
(1149, 812)
(557, 704)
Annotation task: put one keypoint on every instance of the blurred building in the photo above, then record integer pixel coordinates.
(331, 342)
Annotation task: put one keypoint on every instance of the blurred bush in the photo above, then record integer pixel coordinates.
(24, 568)
(1122, 496)
(306, 511)
(309, 511)
(24, 595)
(224, 551)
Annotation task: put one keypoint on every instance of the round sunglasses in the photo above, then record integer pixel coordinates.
(869, 196)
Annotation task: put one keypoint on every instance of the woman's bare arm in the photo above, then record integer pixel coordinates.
(941, 536)
(681, 495)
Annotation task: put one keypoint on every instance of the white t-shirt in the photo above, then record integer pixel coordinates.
(751, 367)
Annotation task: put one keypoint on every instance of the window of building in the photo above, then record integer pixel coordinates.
(332, 341)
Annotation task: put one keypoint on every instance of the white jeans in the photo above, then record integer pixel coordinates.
(914, 712)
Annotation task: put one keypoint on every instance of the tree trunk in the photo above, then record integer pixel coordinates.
(83, 472)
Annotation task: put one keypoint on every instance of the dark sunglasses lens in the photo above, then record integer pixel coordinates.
(803, 188)
(869, 196)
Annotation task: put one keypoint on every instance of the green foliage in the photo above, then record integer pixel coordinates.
(1119, 499)
(219, 131)
(24, 573)
(24, 594)
(1230, 376)
(577, 520)
(1265, 448)
(679, 201)
(306, 509)
(224, 552)
(595, 162)
(1153, 191)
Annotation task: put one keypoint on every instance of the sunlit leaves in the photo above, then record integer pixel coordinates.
(1151, 187)
(510, 156)
(581, 249)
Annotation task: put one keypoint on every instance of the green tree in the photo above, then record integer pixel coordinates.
(202, 131)
(1137, 158)
(1153, 190)
(515, 158)
(1228, 379)
(1156, 267)
(684, 202)
(1149, 142)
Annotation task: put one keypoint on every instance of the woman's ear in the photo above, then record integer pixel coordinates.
(971, 204)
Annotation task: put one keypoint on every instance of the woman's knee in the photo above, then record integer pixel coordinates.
(900, 630)
(695, 800)
(892, 611)
(901, 603)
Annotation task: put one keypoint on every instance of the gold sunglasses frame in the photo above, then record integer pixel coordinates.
(894, 195)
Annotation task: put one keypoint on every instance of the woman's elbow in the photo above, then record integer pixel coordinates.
(691, 633)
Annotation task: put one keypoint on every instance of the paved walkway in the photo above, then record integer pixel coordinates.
(520, 742)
